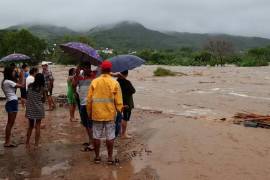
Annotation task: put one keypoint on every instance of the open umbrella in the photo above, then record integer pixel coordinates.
(125, 62)
(82, 52)
(16, 57)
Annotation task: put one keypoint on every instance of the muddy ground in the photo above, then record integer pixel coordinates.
(176, 128)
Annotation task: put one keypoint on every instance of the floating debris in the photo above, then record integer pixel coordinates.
(252, 120)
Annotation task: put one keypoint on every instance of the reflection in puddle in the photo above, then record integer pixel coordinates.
(48, 170)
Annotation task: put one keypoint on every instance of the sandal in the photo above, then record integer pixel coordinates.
(85, 144)
(87, 148)
(110, 162)
(97, 160)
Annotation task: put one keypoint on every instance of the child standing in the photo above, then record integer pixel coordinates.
(35, 108)
(127, 93)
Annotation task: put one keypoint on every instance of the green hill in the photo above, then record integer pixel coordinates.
(129, 35)
(47, 32)
(134, 36)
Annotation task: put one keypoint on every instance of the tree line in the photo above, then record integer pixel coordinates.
(215, 52)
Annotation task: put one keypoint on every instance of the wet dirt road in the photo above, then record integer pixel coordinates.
(186, 141)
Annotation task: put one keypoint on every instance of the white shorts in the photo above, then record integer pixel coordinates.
(99, 127)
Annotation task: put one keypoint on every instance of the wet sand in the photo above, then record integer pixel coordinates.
(176, 128)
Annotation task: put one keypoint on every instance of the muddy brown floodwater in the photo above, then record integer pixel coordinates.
(176, 128)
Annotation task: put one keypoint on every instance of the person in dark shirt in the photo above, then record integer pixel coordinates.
(127, 93)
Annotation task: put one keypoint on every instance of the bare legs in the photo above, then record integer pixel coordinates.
(109, 144)
(72, 108)
(23, 102)
(50, 103)
(10, 123)
(97, 148)
(37, 133)
(124, 129)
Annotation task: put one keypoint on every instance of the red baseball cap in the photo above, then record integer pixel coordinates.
(106, 65)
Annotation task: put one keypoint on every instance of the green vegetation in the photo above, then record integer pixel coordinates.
(163, 72)
(155, 47)
(189, 57)
(22, 41)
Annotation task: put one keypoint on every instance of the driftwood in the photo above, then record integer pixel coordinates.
(256, 119)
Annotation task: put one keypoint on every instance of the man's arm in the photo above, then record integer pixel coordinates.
(89, 100)
(131, 88)
(118, 100)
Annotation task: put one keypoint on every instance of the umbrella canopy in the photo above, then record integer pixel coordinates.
(15, 58)
(82, 52)
(125, 62)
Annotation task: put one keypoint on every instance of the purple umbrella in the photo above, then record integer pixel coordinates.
(15, 57)
(82, 52)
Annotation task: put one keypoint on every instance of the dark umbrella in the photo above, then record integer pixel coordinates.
(125, 62)
(82, 52)
(15, 58)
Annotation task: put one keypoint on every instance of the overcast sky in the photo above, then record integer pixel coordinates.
(240, 17)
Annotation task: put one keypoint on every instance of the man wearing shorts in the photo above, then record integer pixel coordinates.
(104, 100)
(48, 84)
(83, 83)
(127, 93)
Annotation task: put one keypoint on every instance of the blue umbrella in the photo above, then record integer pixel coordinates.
(82, 52)
(15, 58)
(125, 62)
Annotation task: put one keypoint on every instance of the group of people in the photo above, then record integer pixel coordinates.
(104, 103)
(35, 88)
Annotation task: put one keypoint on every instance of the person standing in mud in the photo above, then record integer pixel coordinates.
(49, 80)
(71, 94)
(127, 93)
(83, 83)
(9, 86)
(31, 78)
(34, 108)
(104, 99)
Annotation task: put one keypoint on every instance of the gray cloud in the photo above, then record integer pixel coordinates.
(240, 17)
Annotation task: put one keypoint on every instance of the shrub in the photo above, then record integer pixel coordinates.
(251, 61)
(163, 72)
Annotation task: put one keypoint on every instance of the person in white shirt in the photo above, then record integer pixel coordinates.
(31, 78)
(9, 86)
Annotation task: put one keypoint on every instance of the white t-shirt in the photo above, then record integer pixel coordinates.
(9, 88)
(30, 79)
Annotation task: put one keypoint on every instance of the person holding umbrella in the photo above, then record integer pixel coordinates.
(9, 86)
(83, 83)
(127, 91)
(104, 100)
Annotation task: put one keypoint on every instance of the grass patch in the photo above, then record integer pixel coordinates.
(164, 72)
